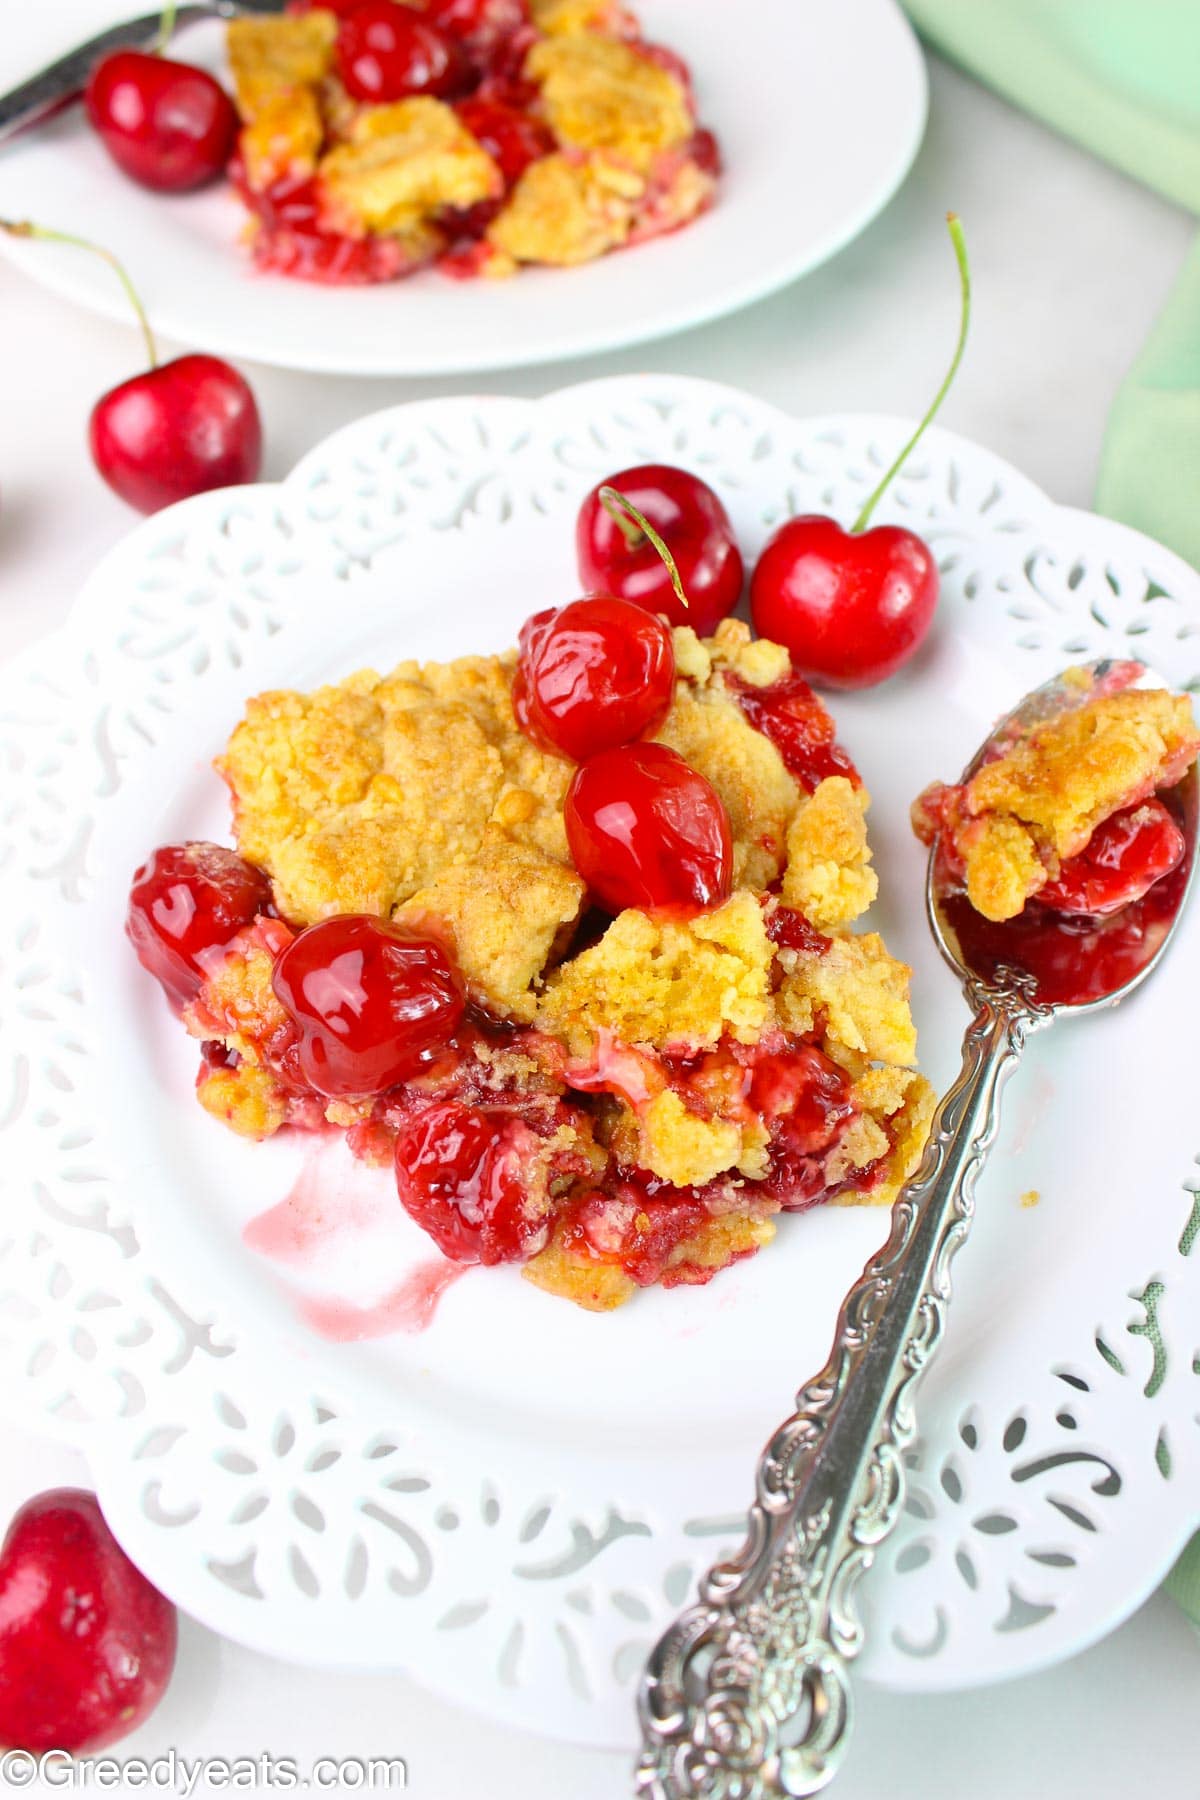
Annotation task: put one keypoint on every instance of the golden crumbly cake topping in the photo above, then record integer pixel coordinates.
(566, 209)
(270, 57)
(283, 141)
(403, 162)
(505, 911)
(600, 94)
(861, 994)
(661, 983)
(1037, 805)
(828, 877)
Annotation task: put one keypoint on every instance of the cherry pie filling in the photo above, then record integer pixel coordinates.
(499, 1139)
(470, 55)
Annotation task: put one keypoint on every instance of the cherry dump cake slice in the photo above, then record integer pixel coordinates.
(477, 134)
(610, 1094)
(1065, 854)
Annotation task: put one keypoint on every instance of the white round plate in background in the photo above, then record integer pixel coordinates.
(819, 106)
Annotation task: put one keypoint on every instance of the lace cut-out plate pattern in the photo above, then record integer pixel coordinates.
(512, 1503)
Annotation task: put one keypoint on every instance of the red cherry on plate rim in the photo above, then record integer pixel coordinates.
(459, 1175)
(180, 429)
(850, 608)
(87, 1644)
(187, 902)
(371, 1001)
(387, 51)
(591, 675)
(616, 557)
(647, 830)
(168, 125)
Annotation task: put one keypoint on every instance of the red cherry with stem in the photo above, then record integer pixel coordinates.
(616, 555)
(853, 607)
(592, 675)
(87, 1644)
(187, 903)
(513, 139)
(646, 829)
(386, 51)
(168, 125)
(459, 1175)
(179, 428)
(372, 1002)
(1122, 860)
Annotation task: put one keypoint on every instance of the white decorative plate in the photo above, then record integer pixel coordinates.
(511, 1503)
(820, 107)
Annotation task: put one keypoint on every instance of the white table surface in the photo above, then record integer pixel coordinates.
(1071, 263)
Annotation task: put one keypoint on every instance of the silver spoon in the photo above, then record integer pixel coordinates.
(746, 1696)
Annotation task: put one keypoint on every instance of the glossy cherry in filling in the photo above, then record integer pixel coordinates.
(481, 25)
(646, 829)
(799, 726)
(371, 1002)
(616, 557)
(168, 125)
(512, 138)
(1122, 860)
(591, 675)
(187, 902)
(387, 51)
(459, 1174)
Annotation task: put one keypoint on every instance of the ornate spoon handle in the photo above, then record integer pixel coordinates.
(746, 1695)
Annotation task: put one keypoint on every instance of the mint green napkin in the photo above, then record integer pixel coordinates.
(1121, 78)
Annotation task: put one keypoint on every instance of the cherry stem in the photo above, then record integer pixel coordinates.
(621, 511)
(964, 277)
(24, 228)
(166, 28)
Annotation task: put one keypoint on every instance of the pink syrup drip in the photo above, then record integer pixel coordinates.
(330, 1199)
(409, 1307)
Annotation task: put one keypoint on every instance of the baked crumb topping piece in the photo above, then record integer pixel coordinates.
(657, 1087)
(1021, 817)
(597, 93)
(402, 164)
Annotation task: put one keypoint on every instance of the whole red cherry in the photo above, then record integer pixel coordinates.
(647, 830)
(592, 675)
(176, 430)
(168, 125)
(87, 1645)
(851, 609)
(616, 557)
(387, 51)
(853, 606)
(186, 903)
(459, 1175)
(372, 1002)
